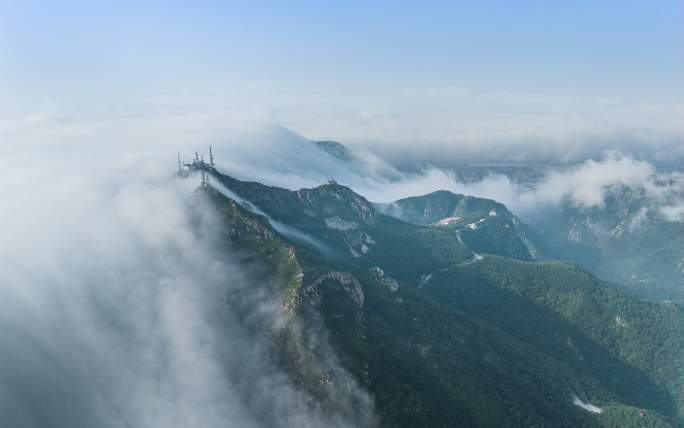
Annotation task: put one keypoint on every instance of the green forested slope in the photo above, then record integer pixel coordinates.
(440, 338)
(485, 225)
(633, 348)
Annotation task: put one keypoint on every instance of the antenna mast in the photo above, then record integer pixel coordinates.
(211, 157)
(180, 166)
(205, 180)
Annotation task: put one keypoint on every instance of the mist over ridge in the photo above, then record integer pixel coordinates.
(122, 303)
(107, 225)
(341, 214)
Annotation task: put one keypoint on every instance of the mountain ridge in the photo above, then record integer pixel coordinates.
(386, 313)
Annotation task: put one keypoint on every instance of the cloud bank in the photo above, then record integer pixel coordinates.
(250, 146)
(280, 157)
(117, 308)
(587, 185)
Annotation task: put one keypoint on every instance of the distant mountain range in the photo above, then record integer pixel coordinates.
(626, 241)
(448, 311)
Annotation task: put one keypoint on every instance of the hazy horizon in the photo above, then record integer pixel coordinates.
(425, 80)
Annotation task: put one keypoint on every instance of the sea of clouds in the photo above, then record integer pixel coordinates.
(117, 308)
(121, 305)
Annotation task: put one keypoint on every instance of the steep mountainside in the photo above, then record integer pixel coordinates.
(441, 335)
(626, 241)
(349, 230)
(579, 320)
(485, 225)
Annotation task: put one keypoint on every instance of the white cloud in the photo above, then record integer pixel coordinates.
(115, 312)
(282, 158)
(421, 123)
(586, 184)
(673, 212)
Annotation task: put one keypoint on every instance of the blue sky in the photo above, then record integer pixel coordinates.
(306, 57)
